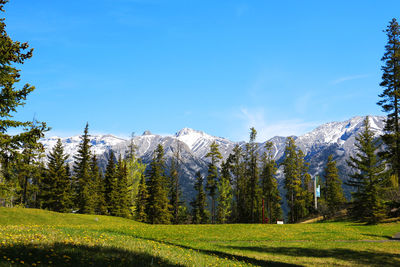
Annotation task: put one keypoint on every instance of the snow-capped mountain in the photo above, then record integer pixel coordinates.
(199, 142)
(336, 138)
(100, 143)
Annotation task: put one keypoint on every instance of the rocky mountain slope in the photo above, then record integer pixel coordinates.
(336, 138)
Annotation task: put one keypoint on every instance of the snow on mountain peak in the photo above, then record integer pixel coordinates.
(188, 131)
(194, 138)
(100, 143)
(147, 132)
(340, 132)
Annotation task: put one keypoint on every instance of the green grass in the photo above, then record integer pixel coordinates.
(36, 237)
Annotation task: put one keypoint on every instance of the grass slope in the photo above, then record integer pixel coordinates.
(36, 237)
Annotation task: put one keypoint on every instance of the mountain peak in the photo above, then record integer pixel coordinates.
(187, 131)
(147, 132)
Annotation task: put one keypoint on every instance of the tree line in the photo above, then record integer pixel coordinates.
(241, 189)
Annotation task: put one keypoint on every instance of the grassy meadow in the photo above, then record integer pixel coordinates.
(30, 237)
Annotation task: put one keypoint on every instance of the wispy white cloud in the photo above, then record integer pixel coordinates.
(349, 78)
(265, 130)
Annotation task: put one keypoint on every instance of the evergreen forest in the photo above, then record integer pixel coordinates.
(241, 189)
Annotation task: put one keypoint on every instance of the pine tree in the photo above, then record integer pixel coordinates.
(141, 201)
(83, 181)
(199, 212)
(212, 178)
(123, 188)
(28, 167)
(390, 97)
(100, 205)
(224, 208)
(135, 171)
(174, 191)
(252, 173)
(269, 185)
(307, 195)
(111, 186)
(56, 185)
(293, 170)
(239, 184)
(333, 192)
(123, 193)
(367, 179)
(12, 53)
(158, 207)
(184, 214)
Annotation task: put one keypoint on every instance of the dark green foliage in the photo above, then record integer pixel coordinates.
(56, 188)
(332, 192)
(368, 179)
(141, 201)
(158, 207)
(29, 169)
(296, 182)
(292, 178)
(224, 208)
(269, 186)
(11, 53)
(239, 184)
(84, 199)
(306, 185)
(184, 214)
(20, 172)
(100, 206)
(110, 185)
(199, 212)
(390, 97)
(212, 177)
(174, 186)
(253, 203)
(122, 193)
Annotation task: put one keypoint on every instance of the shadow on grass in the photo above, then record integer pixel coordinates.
(353, 256)
(382, 236)
(60, 254)
(214, 253)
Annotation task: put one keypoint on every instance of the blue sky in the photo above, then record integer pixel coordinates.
(125, 66)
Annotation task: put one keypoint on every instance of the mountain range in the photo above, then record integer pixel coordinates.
(334, 138)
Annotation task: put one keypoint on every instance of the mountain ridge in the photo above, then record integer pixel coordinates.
(336, 138)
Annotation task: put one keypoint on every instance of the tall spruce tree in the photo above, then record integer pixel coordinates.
(239, 184)
(368, 178)
(390, 97)
(333, 191)
(307, 196)
(199, 211)
(252, 174)
(212, 177)
(269, 185)
(123, 195)
(141, 201)
(174, 187)
(56, 185)
(293, 168)
(100, 205)
(158, 207)
(11, 54)
(28, 167)
(135, 171)
(225, 195)
(83, 180)
(111, 185)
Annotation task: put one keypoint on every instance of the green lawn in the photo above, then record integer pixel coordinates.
(35, 237)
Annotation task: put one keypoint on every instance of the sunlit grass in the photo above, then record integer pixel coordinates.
(36, 237)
